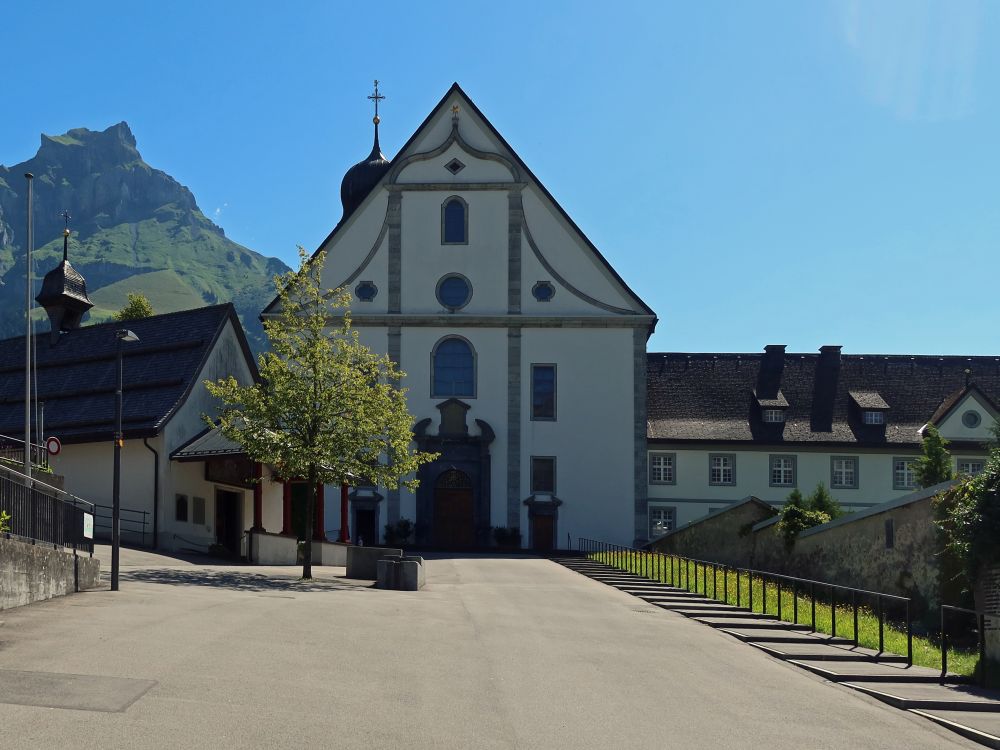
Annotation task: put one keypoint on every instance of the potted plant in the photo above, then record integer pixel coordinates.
(508, 538)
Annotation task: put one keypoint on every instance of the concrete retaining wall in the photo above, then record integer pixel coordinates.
(34, 572)
(723, 537)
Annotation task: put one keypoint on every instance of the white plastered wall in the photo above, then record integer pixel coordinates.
(952, 428)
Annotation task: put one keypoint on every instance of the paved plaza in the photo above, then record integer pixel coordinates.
(507, 652)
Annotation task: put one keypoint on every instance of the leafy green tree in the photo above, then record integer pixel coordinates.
(137, 307)
(800, 513)
(934, 466)
(4, 522)
(821, 500)
(327, 409)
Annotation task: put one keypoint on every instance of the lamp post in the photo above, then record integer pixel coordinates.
(121, 335)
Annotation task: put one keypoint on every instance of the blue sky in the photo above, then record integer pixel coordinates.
(803, 173)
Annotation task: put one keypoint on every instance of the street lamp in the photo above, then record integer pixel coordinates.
(121, 335)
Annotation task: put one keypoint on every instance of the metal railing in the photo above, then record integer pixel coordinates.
(133, 524)
(41, 513)
(980, 620)
(12, 451)
(683, 572)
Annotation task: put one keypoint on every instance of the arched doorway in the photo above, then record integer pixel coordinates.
(454, 524)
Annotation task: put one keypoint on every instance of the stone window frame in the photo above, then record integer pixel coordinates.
(976, 417)
(857, 470)
(899, 485)
(531, 477)
(475, 368)
(440, 283)
(770, 470)
(555, 391)
(721, 483)
(673, 467)
(465, 213)
(181, 514)
(362, 283)
(540, 284)
(673, 516)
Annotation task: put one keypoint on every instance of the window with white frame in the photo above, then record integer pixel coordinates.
(773, 416)
(662, 468)
(844, 472)
(874, 417)
(722, 468)
(661, 520)
(903, 476)
(782, 471)
(970, 467)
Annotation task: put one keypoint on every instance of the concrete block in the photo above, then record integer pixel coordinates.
(362, 561)
(421, 571)
(410, 575)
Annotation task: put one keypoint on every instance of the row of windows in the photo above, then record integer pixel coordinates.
(782, 471)
(454, 291)
(454, 376)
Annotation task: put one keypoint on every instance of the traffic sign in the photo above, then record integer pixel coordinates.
(53, 446)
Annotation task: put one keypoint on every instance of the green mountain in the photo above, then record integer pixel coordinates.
(135, 229)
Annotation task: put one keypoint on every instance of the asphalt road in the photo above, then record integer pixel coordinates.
(493, 653)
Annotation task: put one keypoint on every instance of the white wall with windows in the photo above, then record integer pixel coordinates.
(693, 481)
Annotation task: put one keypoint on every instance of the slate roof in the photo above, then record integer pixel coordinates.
(710, 398)
(77, 376)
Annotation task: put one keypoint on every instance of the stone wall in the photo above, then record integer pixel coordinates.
(988, 601)
(35, 572)
(724, 537)
(890, 548)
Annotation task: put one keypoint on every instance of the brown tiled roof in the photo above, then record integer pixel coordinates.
(712, 397)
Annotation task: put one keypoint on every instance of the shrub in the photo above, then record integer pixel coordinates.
(799, 513)
(507, 537)
(399, 532)
(4, 522)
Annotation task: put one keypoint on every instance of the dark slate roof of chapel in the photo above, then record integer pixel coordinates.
(710, 398)
(77, 376)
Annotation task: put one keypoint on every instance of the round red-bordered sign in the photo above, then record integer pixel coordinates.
(53, 446)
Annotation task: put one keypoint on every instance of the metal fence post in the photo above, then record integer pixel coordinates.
(881, 631)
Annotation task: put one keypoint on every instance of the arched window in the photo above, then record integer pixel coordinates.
(454, 222)
(454, 369)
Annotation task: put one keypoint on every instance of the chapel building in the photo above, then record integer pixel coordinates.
(525, 351)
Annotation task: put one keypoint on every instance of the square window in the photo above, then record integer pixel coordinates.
(543, 475)
(661, 520)
(543, 392)
(844, 472)
(903, 477)
(782, 471)
(874, 417)
(969, 468)
(662, 468)
(181, 508)
(773, 416)
(722, 469)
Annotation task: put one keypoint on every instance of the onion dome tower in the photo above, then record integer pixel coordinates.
(64, 292)
(363, 176)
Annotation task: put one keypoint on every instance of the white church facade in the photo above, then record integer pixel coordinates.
(521, 344)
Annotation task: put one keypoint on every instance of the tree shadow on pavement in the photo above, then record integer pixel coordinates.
(240, 581)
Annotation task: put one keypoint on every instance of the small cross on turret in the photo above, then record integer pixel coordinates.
(376, 97)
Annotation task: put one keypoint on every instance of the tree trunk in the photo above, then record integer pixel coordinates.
(310, 523)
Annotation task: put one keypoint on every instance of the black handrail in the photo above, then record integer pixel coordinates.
(629, 555)
(980, 634)
(41, 513)
(130, 522)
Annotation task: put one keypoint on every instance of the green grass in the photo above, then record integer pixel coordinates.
(796, 609)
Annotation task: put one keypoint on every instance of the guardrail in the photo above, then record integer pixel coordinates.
(680, 571)
(41, 513)
(132, 524)
(980, 620)
(12, 450)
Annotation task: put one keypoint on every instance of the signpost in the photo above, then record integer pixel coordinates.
(88, 525)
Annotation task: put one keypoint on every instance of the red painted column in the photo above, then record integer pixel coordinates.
(319, 532)
(258, 498)
(286, 509)
(345, 532)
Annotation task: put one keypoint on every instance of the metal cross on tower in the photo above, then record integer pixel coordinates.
(376, 97)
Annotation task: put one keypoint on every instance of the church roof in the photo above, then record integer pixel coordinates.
(77, 376)
(709, 397)
(455, 88)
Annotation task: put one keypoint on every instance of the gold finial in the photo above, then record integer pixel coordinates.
(454, 110)
(66, 232)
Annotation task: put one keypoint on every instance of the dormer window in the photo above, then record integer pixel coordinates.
(874, 417)
(773, 416)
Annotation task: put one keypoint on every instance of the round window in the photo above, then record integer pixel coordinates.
(971, 419)
(366, 291)
(454, 291)
(543, 291)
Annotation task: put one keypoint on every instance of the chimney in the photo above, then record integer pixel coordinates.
(772, 366)
(825, 388)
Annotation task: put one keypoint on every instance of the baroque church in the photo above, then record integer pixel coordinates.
(519, 341)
